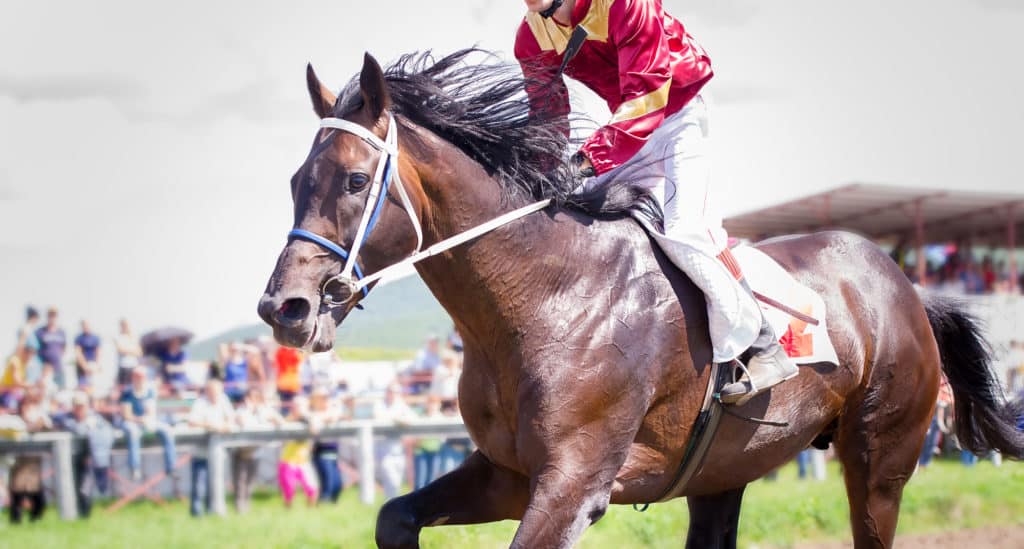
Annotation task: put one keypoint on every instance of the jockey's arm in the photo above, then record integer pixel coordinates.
(636, 28)
(548, 94)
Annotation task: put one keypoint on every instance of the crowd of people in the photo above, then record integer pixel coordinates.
(250, 385)
(955, 270)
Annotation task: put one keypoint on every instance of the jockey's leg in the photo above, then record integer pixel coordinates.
(769, 364)
(691, 218)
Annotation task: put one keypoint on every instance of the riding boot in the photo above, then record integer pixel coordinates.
(768, 366)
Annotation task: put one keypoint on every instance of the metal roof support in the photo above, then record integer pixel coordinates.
(1011, 243)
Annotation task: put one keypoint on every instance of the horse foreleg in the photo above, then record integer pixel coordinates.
(477, 491)
(566, 499)
(714, 520)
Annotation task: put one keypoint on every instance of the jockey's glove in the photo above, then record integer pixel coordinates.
(582, 165)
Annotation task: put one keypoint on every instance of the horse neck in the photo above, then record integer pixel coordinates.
(481, 283)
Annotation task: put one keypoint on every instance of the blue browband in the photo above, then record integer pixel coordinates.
(303, 234)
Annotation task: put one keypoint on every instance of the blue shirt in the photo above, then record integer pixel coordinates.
(172, 366)
(138, 401)
(236, 372)
(90, 344)
(51, 346)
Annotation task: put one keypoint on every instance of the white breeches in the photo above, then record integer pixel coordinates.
(675, 167)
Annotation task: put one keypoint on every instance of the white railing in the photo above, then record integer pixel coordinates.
(60, 447)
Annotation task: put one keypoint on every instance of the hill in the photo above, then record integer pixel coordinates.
(396, 317)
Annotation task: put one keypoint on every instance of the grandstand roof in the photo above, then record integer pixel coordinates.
(889, 212)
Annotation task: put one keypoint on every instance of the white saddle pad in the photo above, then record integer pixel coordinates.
(804, 342)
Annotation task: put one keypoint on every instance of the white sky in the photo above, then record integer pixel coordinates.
(145, 150)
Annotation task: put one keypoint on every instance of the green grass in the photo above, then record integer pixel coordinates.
(780, 513)
(370, 354)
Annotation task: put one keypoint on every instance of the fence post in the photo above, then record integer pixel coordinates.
(215, 455)
(67, 505)
(367, 477)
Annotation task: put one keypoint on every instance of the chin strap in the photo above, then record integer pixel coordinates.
(546, 14)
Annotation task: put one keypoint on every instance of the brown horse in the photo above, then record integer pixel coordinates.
(586, 352)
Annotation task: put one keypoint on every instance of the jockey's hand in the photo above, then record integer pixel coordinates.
(583, 166)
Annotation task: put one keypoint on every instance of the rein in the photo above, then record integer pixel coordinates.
(386, 173)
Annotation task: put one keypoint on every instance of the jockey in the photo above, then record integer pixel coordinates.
(650, 71)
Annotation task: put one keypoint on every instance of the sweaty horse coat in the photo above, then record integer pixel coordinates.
(586, 353)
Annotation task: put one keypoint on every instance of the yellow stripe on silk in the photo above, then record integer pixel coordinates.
(549, 35)
(643, 105)
(552, 36)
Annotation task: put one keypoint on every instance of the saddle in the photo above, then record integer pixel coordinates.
(794, 311)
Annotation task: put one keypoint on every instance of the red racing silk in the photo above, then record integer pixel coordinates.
(638, 58)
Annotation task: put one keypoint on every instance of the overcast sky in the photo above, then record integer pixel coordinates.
(145, 149)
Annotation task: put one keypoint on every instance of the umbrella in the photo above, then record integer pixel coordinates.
(153, 342)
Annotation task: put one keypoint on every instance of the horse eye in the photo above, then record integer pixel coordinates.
(357, 181)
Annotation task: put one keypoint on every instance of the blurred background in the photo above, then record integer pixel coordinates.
(145, 154)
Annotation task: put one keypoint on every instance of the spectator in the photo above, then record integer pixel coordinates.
(129, 352)
(26, 475)
(444, 384)
(988, 274)
(254, 413)
(426, 465)
(212, 412)
(139, 416)
(257, 371)
(324, 370)
(444, 399)
(46, 386)
(455, 341)
(811, 463)
(87, 353)
(323, 412)
(390, 453)
(14, 382)
(286, 366)
(236, 371)
(52, 344)
(27, 332)
(429, 357)
(172, 366)
(939, 424)
(265, 347)
(91, 467)
(294, 455)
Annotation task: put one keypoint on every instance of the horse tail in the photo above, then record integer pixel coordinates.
(984, 420)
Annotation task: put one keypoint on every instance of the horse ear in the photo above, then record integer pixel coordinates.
(323, 99)
(373, 87)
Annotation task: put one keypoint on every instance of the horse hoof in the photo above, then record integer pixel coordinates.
(396, 527)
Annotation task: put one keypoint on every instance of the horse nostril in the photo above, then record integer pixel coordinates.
(293, 311)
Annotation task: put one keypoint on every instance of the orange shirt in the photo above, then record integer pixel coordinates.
(286, 363)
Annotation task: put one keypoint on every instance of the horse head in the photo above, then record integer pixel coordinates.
(343, 225)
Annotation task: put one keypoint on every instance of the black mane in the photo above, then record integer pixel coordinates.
(482, 108)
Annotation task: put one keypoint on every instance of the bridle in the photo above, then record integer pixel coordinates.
(386, 172)
(385, 177)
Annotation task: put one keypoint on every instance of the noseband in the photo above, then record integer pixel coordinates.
(342, 287)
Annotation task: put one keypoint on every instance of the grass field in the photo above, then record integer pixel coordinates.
(775, 514)
(370, 354)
